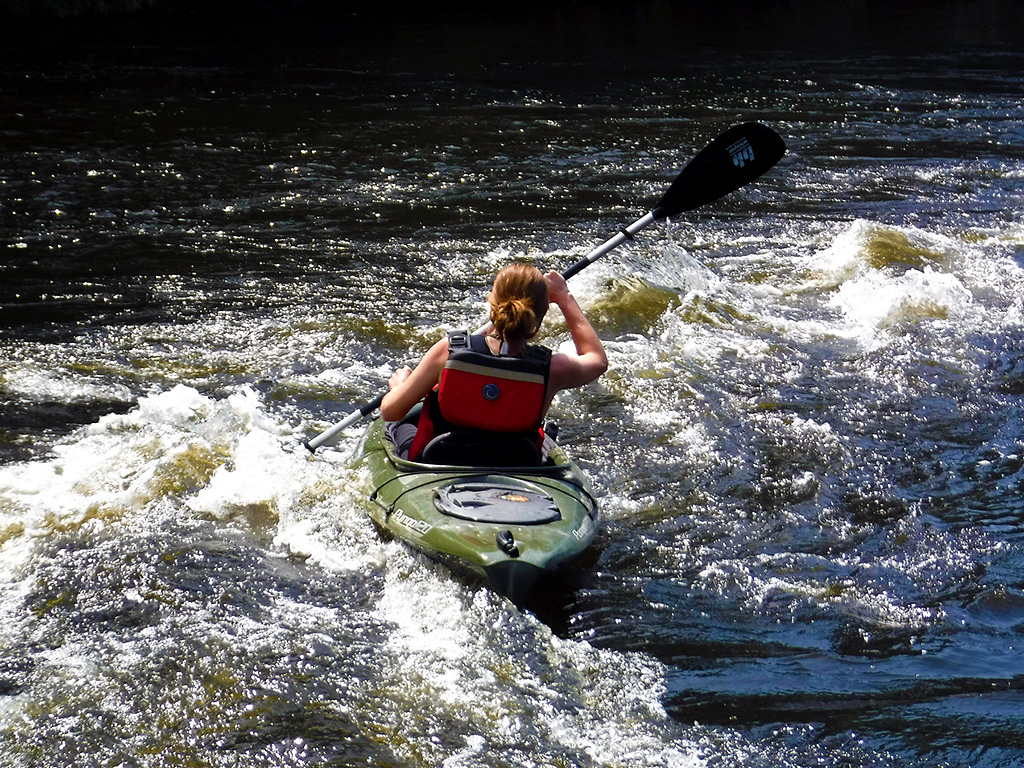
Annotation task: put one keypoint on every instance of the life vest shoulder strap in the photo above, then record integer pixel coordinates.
(534, 357)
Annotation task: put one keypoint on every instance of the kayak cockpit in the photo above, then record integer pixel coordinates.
(468, 447)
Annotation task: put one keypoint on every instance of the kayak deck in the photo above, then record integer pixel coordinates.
(508, 524)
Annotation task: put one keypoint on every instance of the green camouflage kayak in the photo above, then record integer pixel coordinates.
(510, 525)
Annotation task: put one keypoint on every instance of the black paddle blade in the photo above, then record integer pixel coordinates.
(734, 159)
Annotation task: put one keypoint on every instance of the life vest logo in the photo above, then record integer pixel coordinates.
(741, 153)
(491, 391)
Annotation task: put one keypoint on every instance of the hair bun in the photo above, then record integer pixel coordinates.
(518, 301)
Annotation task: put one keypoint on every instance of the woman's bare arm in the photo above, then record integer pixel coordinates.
(590, 360)
(408, 387)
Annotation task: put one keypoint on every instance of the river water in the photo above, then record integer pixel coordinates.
(809, 447)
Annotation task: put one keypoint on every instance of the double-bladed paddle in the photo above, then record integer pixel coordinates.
(731, 161)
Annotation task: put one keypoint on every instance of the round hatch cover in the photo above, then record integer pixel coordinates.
(496, 503)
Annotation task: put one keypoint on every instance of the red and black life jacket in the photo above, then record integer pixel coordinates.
(482, 391)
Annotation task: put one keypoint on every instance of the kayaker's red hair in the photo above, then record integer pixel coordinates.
(519, 301)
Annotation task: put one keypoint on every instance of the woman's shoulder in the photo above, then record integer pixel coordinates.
(569, 371)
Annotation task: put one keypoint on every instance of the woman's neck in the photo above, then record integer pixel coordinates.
(510, 348)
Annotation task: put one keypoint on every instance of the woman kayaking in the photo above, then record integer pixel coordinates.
(496, 382)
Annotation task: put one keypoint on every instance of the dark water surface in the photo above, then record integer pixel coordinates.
(220, 235)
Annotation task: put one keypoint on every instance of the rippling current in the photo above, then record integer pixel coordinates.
(809, 447)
